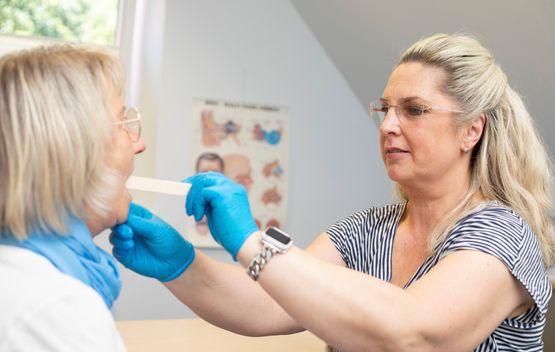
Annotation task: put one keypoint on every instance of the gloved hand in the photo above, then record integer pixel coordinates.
(226, 206)
(149, 246)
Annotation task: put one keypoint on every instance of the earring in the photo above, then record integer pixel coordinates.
(465, 149)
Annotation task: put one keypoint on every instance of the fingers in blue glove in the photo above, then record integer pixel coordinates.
(122, 237)
(197, 184)
(195, 204)
(122, 231)
(137, 210)
(193, 180)
(122, 240)
(211, 194)
(121, 244)
(200, 206)
(141, 226)
(142, 222)
(121, 256)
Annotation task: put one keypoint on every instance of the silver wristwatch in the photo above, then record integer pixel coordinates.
(273, 241)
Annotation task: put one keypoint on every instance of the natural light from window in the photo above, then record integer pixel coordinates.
(83, 21)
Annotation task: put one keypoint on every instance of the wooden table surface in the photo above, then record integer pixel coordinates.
(192, 335)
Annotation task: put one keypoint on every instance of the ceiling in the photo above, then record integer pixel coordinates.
(364, 39)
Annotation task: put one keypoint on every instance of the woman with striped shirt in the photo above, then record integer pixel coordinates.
(457, 265)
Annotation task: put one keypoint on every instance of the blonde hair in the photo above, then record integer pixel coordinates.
(509, 164)
(55, 128)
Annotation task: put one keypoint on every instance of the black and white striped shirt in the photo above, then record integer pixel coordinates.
(365, 242)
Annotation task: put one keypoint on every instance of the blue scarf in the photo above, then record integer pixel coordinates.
(76, 255)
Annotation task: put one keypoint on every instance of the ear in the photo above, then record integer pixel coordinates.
(473, 132)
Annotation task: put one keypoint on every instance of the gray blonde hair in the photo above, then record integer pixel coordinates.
(509, 164)
(55, 128)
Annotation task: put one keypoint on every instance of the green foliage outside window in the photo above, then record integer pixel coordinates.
(90, 21)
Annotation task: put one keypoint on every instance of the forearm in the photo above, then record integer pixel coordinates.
(345, 308)
(224, 295)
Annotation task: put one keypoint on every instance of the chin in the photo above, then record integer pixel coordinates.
(122, 214)
(395, 177)
(122, 208)
(398, 174)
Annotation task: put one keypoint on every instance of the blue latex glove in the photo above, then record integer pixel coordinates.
(149, 246)
(226, 206)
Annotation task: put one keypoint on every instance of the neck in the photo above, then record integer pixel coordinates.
(93, 224)
(428, 205)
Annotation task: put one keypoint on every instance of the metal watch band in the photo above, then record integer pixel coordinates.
(259, 261)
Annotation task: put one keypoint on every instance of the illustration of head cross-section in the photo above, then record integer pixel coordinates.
(238, 168)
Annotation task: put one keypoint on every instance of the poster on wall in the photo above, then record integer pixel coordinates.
(249, 143)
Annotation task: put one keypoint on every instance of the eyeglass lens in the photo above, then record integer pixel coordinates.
(403, 111)
(133, 123)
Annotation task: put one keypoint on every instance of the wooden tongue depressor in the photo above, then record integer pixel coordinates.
(159, 186)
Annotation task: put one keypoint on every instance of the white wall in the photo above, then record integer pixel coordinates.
(257, 51)
(365, 38)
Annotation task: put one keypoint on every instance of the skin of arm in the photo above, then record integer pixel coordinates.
(224, 294)
(443, 311)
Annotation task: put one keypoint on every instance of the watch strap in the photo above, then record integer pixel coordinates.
(259, 261)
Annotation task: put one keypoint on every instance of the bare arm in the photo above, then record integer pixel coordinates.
(224, 295)
(356, 312)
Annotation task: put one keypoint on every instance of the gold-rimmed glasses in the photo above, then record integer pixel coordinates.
(406, 111)
(131, 123)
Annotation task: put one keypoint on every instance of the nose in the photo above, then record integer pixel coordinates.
(139, 146)
(390, 123)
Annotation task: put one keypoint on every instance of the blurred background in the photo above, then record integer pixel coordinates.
(324, 60)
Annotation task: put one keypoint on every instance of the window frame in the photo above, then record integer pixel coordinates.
(124, 27)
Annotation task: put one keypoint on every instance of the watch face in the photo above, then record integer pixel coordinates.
(278, 235)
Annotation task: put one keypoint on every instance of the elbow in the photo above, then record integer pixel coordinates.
(268, 328)
(397, 335)
(400, 339)
(414, 337)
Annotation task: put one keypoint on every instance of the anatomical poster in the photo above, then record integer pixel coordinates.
(249, 143)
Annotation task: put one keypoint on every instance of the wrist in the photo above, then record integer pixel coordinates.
(272, 241)
(184, 266)
(194, 271)
(180, 264)
(240, 241)
(249, 249)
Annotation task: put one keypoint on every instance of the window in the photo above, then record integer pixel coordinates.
(85, 21)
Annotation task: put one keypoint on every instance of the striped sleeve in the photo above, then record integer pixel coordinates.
(347, 235)
(364, 238)
(500, 232)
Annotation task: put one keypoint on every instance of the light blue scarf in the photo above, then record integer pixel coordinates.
(76, 255)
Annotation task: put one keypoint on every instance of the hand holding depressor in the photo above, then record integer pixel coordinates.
(226, 206)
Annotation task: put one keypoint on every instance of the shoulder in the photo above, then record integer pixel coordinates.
(365, 220)
(43, 309)
(501, 232)
(354, 235)
(494, 228)
(497, 215)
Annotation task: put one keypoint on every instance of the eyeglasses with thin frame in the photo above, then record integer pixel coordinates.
(131, 123)
(405, 111)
